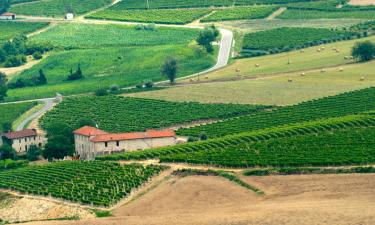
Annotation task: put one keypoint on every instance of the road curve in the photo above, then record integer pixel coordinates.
(48, 105)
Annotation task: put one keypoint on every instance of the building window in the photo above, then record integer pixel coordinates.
(25, 139)
(106, 144)
(34, 138)
(117, 143)
(26, 147)
(19, 140)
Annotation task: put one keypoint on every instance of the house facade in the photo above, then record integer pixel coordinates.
(22, 140)
(7, 16)
(69, 16)
(91, 142)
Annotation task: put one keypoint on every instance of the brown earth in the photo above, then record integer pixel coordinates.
(300, 199)
(362, 2)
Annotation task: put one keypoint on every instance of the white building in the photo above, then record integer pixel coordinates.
(91, 142)
(7, 16)
(69, 16)
(22, 140)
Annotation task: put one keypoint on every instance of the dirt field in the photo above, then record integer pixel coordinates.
(302, 199)
(362, 2)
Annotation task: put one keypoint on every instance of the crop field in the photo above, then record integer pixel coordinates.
(328, 107)
(160, 4)
(289, 38)
(164, 16)
(12, 2)
(75, 35)
(154, 113)
(56, 8)
(96, 183)
(10, 30)
(241, 13)
(11, 112)
(104, 67)
(343, 147)
(274, 133)
(317, 14)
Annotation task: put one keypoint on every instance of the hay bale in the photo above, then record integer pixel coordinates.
(318, 50)
(206, 78)
(257, 65)
(290, 80)
(303, 74)
(191, 80)
(341, 69)
(346, 57)
(302, 51)
(238, 70)
(322, 70)
(323, 48)
(362, 79)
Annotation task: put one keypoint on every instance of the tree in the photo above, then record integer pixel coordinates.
(101, 91)
(7, 126)
(42, 78)
(3, 86)
(170, 68)
(3, 56)
(33, 153)
(207, 36)
(77, 75)
(364, 51)
(4, 6)
(60, 141)
(7, 152)
(85, 122)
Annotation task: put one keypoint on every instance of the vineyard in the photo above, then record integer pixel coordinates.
(96, 183)
(243, 13)
(10, 30)
(75, 35)
(55, 8)
(132, 114)
(335, 106)
(164, 16)
(286, 131)
(12, 164)
(318, 14)
(284, 39)
(365, 26)
(11, 112)
(345, 147)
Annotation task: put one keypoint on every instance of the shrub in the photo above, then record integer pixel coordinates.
(37, 55)
(101, 92)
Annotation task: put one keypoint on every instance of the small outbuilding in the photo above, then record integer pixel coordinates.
(69, 16)
(8, 16)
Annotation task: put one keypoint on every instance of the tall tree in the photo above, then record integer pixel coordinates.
(41, 78)
(3, 86)
(33, 153)
(207, 36)
(170, 68)
(364, 51)
(60, 141)
(7, 152)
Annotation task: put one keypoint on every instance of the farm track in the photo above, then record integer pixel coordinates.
(276, 13)
(48, 106)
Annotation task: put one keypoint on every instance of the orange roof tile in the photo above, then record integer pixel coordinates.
(7, 14)
(89, 131)
(21, 134)
(132, 136)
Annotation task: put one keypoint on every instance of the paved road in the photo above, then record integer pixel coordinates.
(48, 104)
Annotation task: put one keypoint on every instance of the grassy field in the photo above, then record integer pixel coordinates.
(273, 90)
(10, 112)
(141, 114)
(316, 14)
(164, 16)
(241, 13)
(58, 8)
(75, 35)
(10, 30)
(104, 67)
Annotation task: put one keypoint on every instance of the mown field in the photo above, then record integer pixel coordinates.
(141, 114)
(164, 16)
(90, 183)
(57, 8)
(10, 30)
(287, 38)
(10, 112)
(324, 108)
(342, 147)
(77, 35)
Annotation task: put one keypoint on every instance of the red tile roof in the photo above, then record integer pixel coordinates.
(89, 131)
(132, 136)
(8, 14)
(21, 134)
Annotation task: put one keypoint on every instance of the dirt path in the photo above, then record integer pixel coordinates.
(14, 70)
(51, 25)
(276, 13)
(197, 22)
(362, 2)
(82, 17)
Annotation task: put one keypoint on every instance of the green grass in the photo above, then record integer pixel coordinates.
(10, 112)
(28, 113)
(288, 37)
(341, 147)
(96, 183)
(57, 8)
(335, 106)
(316, 14)
(10, 30)
(164, 16)
(141, 114)
(76, 35)
(241, 13)
(104, 67)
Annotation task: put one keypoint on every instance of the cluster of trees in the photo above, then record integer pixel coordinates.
(364, 51)
(13, 52)
(7, 152)
(4, 6)
(207, 36)
(77, 75)
(37, 80)
(3, 86)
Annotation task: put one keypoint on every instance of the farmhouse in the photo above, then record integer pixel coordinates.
(7, 16)
(91, 142)
(22, 140)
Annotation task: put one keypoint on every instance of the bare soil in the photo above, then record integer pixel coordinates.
(299, 199)
(362, 2)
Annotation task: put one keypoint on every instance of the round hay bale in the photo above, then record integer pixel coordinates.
(257, 65)
(337, 50)
(206, 78)
(302, 51)
(238, 70)
(362, 79)
(323, 48)
(346, 57)
(318, 50)
(290, 80)
(303, 74)
(322, 70)
(341, 69)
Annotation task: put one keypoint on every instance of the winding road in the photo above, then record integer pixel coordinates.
(48, 104)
